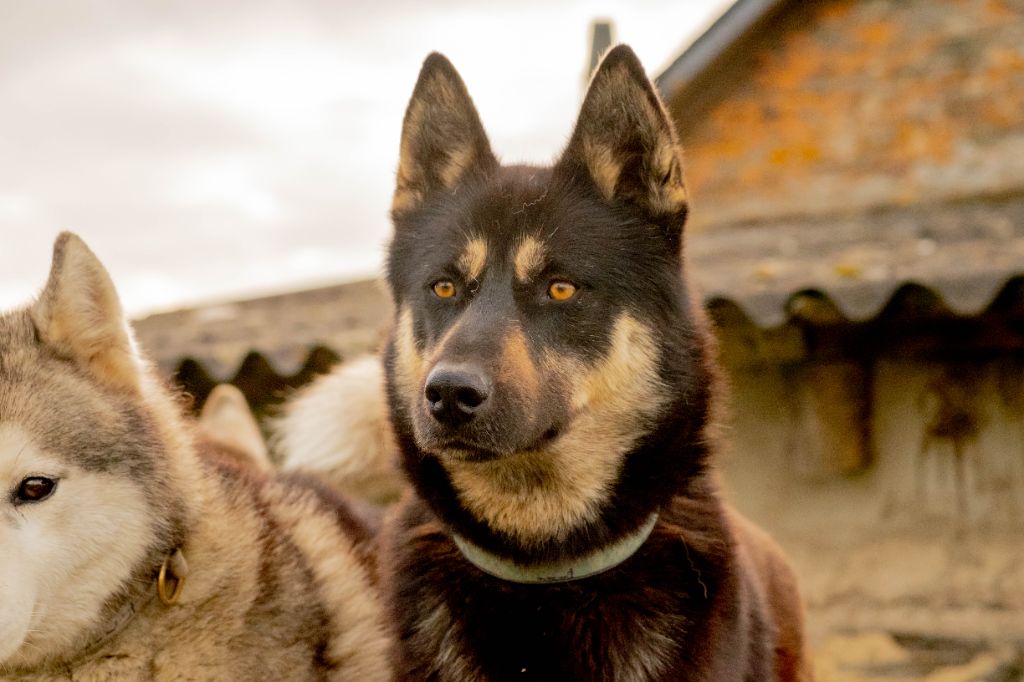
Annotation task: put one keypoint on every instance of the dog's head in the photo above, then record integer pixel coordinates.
(84, 499)
(544, 333)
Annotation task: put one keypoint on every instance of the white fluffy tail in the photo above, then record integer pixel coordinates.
(338, 429)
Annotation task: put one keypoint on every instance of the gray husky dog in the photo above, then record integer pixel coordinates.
(132, 549)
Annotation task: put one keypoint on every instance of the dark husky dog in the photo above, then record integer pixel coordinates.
(551, 383)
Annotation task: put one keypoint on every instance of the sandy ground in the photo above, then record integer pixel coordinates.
(877, 656)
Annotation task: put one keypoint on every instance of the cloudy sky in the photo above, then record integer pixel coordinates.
(216, 150)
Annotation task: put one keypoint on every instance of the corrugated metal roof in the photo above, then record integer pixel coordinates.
(284, 329)
(965, 254)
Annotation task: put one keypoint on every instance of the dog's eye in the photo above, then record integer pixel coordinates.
(444, 288)
(560, 290)
(34, 489)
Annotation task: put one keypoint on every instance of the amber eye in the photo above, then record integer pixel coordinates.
(560, 290)
(34, 489)
(444, 288)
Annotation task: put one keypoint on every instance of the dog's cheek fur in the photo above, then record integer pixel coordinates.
(539, 496)
(408, 366)
(108, 544)
(107, 445)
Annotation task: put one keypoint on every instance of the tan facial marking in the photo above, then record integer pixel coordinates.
(627, 374)
(529, 258)
(409, 365)
(473, 259)
(517, 366)
(413, 363)
(539, 495)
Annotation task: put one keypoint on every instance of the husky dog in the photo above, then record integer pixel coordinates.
(551, 382)
(125, 553)
(338, 430)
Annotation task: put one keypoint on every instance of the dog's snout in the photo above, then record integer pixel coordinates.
(455, 393)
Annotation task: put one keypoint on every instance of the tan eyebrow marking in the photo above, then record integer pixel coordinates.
(529, 258)
(473, 259)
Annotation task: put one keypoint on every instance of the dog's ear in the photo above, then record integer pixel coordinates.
(226, 419)
(442, 137)
(625, 142)
(79, 315)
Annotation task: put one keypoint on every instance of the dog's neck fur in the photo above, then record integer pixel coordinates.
(126, 609)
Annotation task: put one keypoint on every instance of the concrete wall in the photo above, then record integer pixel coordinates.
(927, 539)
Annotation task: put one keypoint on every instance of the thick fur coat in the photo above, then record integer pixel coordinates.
(338, 430)
(552, 385)
(106, 488)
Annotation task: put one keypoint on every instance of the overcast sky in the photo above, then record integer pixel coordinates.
(217, 150)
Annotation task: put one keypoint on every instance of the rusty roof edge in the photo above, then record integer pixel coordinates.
(774, 309)
(772, 316)
(220, 371)
(735, 23)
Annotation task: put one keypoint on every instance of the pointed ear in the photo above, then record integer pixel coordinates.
(442, 137)
(626, 143)
(227, 419)
(79, 315)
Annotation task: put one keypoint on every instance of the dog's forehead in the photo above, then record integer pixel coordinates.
(35, 411)
(510, 221)
(65, 415)
(23, 378)
(23, 454)
(524, 254)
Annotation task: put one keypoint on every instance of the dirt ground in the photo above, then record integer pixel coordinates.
(878, 656)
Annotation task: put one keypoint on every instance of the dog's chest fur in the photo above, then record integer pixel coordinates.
(650, 619)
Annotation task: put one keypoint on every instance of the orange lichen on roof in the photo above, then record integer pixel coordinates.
(857, 105)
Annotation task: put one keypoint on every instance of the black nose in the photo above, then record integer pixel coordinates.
(455, 393)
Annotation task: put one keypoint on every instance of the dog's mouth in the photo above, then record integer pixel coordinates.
(473, 451)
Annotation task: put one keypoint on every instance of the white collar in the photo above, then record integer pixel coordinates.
(557, 571)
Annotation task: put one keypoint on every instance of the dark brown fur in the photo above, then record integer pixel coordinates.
(704, 599)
